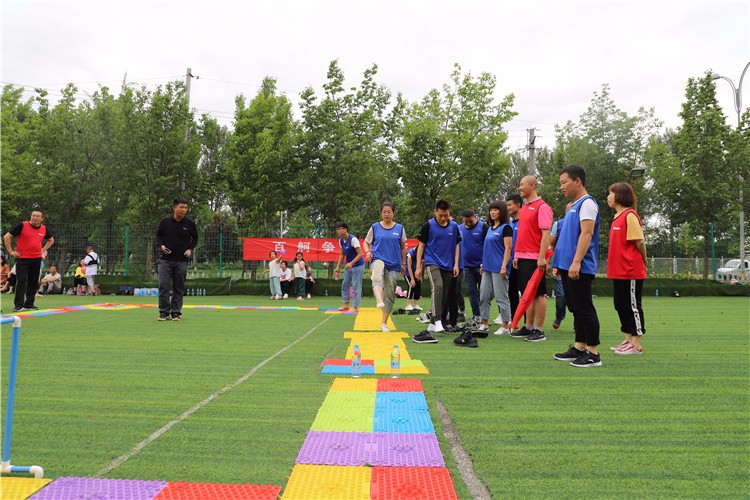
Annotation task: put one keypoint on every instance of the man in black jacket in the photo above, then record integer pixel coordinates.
(176, 236)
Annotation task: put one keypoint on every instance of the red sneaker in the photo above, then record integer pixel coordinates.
(622, 345)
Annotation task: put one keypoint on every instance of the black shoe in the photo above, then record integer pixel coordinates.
(521, 334)
(536, 336)
(461, 317)
(466, 340)
(17, 309)
(414, 312)
(452, 329)
(162, 317)
(424, 337)
(570, 355)
(480, 333)
(399, 311)
(175, 317)
(588, 359)
(30, 308)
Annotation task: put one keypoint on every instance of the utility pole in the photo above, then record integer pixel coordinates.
(532, 151)
(188, 77)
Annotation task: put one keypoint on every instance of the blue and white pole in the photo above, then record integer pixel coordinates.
(5, 466)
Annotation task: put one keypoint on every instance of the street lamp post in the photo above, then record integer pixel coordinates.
(738, 107)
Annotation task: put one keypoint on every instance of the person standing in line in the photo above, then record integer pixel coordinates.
(626, 266)
(415, 286)
(560, 304)
(534, 224)
(473, 232)
(514, 202)
(31, 248)
(300, 275)
(274, 274)
(439, 241)
(177, 237)
(576, 257)
(91, 264)
(354, 266)
(385, 250)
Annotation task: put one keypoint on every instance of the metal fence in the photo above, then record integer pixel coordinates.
(130, 249)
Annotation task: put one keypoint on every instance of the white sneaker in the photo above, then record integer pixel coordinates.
(273, 297)
(286, 296)
(408, 308)
(384, 328)
(278, 297)
(438, 327)
(503, 331)
(498, 320)
(309, 296)
(377, 267)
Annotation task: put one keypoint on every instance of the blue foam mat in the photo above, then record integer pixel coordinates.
(400, 401)
(347, 370)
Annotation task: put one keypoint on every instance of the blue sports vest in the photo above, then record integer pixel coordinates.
(472, 244)
(494, 250)
(350, 252)
(440, 249)
(567, 241)
(386, 245)
(514, 226)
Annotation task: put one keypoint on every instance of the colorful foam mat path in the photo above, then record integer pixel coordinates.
(68, 488)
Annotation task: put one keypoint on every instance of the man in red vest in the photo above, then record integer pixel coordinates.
(29, 253)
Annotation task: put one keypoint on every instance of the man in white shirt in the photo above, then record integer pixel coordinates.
(91, 262)
(52, 282)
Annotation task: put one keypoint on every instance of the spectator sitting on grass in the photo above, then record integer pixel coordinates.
(52, 282)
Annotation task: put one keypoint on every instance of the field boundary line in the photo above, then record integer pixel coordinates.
(156, 435)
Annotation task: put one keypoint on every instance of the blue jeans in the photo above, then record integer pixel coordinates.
(473, 279)
(275, 282)
(352, 279)
(560, 305)
(171, 275)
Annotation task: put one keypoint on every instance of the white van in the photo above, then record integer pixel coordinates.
(730, 271)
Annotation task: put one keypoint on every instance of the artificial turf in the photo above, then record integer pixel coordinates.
(671, 423)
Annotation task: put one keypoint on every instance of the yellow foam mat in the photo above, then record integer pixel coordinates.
(357, 385)
(378, 348)
(323, 482)
(20, 488)
(114, 308)
(380, 335)
(408, 367)
(370, 319)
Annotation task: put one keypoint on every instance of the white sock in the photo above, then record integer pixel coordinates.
(438, 326)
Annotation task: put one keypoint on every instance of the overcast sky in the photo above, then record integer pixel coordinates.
(552, 55)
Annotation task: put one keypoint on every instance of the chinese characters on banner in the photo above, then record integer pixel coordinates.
(313, 249)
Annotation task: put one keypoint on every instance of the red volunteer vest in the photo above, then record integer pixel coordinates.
(529, 235)
(624, 261)
(29, 242)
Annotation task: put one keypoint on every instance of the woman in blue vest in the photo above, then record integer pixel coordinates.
(354, 265)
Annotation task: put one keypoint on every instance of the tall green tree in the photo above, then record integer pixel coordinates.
(698, 181)
(213, 175)
(262, 165)
(453, 144)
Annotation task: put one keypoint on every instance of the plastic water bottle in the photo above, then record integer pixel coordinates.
(657, 292)
(65, 291)
(326, 292)
(395, 362)
(356, 361)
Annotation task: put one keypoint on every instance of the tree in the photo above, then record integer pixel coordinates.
(693, 174)
(213, 173)
(262, 166)
(453, 144)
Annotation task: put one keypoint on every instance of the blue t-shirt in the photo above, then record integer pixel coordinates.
(386, 245)
(567, 240)
(350, 252)
(472, 244)
(440, 244)
(494, 248)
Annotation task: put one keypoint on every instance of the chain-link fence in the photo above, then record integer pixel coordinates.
(130, 249)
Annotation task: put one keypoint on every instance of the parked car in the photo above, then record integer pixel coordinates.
(730, 271)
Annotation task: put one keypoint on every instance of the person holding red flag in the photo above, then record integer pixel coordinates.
(626, 266)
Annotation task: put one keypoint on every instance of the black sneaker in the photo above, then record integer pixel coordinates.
(424, 337)
(162, 317)
(536, 336)
(570, 355)
(587, 359)
(452, 329)
(461, 317)
(481, 331)
(466, 340)
(30, 308)
(521, 334)
(175, 317)
(17, 309)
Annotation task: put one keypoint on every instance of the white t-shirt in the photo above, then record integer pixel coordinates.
(300, 271)
(287, 274)
(589, 210)
(274, 269)
(91, 269)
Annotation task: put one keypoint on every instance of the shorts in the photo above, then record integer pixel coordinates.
(526, 268)
(90, 280)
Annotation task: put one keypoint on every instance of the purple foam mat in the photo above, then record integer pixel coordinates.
(364, 448)
(69, 488)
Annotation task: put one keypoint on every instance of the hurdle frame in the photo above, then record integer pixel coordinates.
(5, 466)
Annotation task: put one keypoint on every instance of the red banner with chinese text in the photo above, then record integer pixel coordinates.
(313, 249)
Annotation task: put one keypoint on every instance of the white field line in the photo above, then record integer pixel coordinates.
(156, 435)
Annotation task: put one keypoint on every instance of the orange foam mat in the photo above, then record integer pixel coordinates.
(414, 483)
(193, 491)
(322, 482)
(20, 488)
(355, 384)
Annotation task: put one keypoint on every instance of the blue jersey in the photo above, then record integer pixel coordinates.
(413, 254)
(386, 245)
(440, 247)
(472, 244)
(514, 226)
(494, 249)
(350, 252)
(567, 240)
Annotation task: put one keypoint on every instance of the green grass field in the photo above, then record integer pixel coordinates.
(674, 422)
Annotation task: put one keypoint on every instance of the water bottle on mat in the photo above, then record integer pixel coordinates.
(395, 362)
(356, 361)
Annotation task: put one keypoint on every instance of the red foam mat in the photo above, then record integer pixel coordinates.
(400, 385)
(414, 483)
(194, 491)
